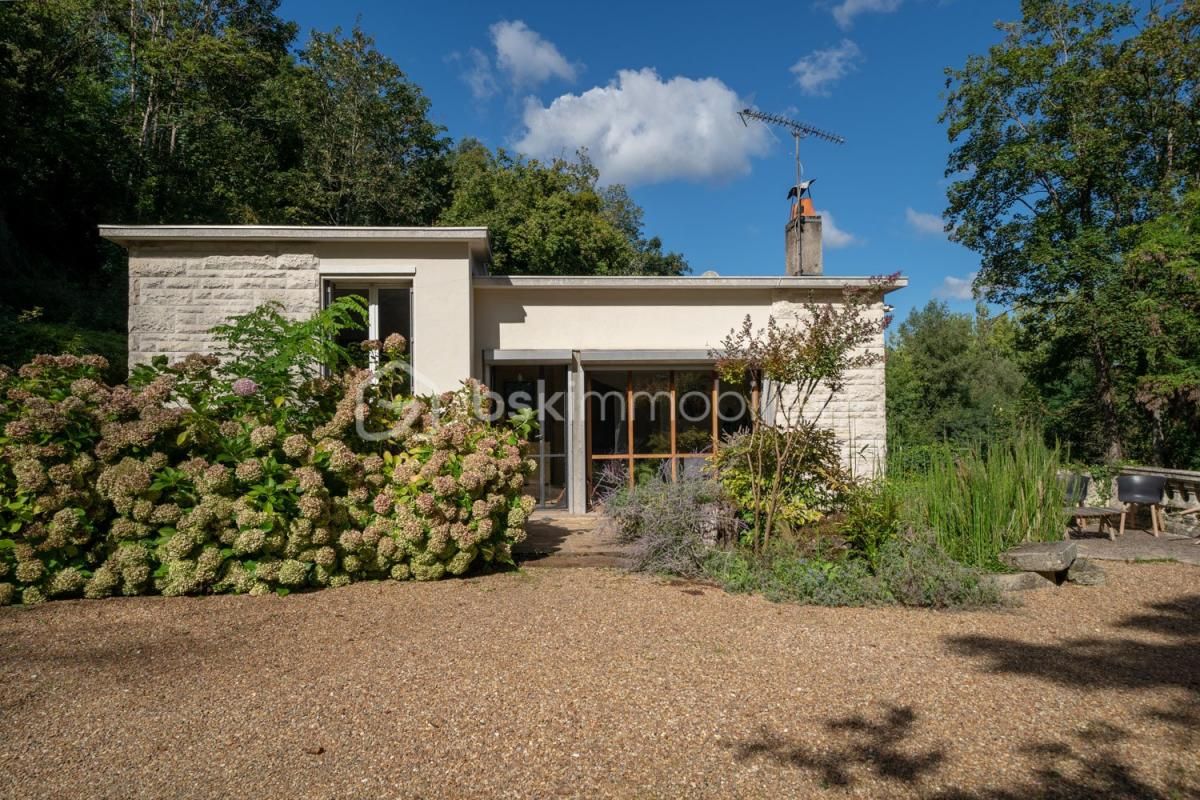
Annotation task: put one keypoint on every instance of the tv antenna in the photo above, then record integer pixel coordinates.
(798, 130)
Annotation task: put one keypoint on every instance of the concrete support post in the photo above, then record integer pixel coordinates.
(577, 465)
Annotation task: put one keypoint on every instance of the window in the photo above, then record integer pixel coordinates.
(389, 310)
(671, 430)
(542, 388)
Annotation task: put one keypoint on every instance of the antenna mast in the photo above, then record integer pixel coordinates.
(799, 130)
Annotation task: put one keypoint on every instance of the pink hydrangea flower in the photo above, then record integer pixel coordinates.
(244, 387)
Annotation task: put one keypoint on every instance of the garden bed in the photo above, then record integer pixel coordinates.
(600, 684)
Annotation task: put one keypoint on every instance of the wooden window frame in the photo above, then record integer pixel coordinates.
(630, 457)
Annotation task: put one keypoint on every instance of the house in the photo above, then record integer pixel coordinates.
(591, 347)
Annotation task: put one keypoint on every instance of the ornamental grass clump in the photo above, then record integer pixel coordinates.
(188, 482)
(983, 501)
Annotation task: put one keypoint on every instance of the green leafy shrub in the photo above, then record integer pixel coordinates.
(186, 482)
(805, 461)
(871, 520)
(783, 574)
(983, 501)
(917, 572)
(672, 526)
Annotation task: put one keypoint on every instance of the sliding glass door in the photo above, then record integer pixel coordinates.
(657, 424)
(542, 388)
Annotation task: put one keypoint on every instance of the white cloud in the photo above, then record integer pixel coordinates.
(922, 222)
(479, 75)
(845, 11)
(527, 58)
(833, 236)
(642, 129)
(953, 288)
(819, 69)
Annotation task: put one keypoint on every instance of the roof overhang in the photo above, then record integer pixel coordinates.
(828, 282)
(475, 238)
(599, 357)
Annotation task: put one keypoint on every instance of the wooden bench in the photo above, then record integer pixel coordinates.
(1079, 516)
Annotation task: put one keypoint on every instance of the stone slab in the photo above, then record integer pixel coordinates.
(1041, 556)
(1018, 581)
(1086, 573)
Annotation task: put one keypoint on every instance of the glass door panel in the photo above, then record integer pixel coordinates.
(733, 408)
(542, 388)
(645, 425)
(694, 412)
(351, 339)
(395, 313)
(608, 424)
(652, 412)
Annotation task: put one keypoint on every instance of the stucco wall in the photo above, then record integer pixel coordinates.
(612, 319)
(177, 292)
(442, 326)
(684, 319)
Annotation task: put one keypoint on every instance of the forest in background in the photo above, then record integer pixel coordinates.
(1074, 176)
(215, 111)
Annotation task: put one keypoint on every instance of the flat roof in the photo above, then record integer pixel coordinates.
(475, 237)
(678, 282)
(479, 242)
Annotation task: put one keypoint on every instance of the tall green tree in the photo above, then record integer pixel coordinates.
(952, 377)
(58, 140)
(1079, 127)
(189, 79)
(552, 218)
(366, 152)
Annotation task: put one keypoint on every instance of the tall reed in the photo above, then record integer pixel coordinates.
(988, 498)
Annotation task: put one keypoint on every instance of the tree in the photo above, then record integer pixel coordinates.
(952, 377)
(552, 219)
(1164, 266)
(366, 151)
(57, 143)
(189, 80)
(1073, 131)
(795, 370)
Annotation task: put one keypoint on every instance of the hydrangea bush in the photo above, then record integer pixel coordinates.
(187, 482)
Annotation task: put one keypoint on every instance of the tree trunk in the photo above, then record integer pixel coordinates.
(1106, 396)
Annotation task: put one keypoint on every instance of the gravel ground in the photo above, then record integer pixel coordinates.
(592, 683)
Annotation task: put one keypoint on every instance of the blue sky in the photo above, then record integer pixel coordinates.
(651, 89)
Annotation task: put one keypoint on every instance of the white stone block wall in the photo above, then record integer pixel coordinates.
(177, 293)
(858, 413)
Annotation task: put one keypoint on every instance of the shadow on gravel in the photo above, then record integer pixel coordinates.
(874, 746)
(1090, 765)
(1094, 765)
(1112, 661)
(1088, 769)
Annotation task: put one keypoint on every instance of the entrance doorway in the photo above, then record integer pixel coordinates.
(543, 388)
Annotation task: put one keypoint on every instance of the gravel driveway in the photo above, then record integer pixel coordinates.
(592, 683)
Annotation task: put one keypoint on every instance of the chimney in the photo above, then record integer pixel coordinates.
(803, 239)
